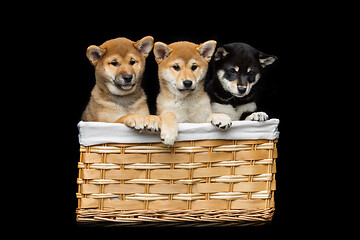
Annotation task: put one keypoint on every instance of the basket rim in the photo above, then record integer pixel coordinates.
(94, 133)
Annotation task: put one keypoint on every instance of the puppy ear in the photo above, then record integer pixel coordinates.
(207, 49)
(220, 53)
(94, 54)
(161, 51)
(266, 59)
(144, 45)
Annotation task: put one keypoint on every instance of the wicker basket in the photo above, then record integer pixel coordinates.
(193, 181)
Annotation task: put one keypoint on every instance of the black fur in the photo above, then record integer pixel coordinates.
(243, 56)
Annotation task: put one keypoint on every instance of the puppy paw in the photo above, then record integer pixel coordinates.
(168, 137)
(152, 123)
(257, 116)
(169, 128)
(220, 120)
(134, 121)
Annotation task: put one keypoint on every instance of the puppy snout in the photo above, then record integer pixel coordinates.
(127, 78)
(241, 89)
(187, 83)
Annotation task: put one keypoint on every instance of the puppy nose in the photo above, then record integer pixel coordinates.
(241, 89)
(187, 83)
(127, 78)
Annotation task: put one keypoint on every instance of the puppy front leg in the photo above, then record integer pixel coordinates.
(220, 120)
(169, 128)
(133, 120)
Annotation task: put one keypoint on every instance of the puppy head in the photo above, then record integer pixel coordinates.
(238, 66)
(182, 65)
(120, 63)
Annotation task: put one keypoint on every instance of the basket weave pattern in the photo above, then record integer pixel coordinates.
(205, 180)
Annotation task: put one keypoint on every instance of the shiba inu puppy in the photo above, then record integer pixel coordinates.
(182, 69)
(119, 66)
(237, 68)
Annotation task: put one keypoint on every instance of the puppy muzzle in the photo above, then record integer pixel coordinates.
(188, 85)
(241, 89)
(125, 82)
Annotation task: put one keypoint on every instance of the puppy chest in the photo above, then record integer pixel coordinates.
(188, 111)
(182, 111)
(233, 113)
(129, 105)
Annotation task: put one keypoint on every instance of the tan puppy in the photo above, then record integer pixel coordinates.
(182, 69)
(119, 67)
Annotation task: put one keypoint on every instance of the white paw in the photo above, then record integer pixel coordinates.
(220, 120)
(257, 116)
(168, 137)
(152, 123)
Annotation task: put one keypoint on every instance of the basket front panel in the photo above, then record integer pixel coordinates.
(197, 175)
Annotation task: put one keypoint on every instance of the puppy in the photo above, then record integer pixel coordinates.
(237, 68)
(182, 67)
(117, 95)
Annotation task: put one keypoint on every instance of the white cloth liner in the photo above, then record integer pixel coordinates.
(93, 133)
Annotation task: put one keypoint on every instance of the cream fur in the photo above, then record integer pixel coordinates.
(176, 103)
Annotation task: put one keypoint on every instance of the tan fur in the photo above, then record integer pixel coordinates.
(175, 103)
(112, 97)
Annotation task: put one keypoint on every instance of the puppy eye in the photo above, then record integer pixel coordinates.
(114, 63)
(194, 67)
(176, 67)
(132, 62)
(232, 70)
(251, 72)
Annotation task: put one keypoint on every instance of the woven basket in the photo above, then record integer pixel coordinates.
(193, 181)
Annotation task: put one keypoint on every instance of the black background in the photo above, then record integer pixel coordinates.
(282, 32)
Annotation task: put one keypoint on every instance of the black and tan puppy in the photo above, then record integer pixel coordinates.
(237, 68)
